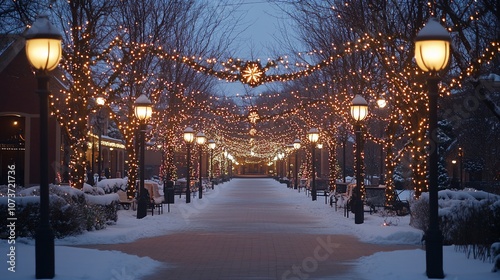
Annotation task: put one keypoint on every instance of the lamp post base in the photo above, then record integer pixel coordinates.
(434, 254)
(142, 206)
(44, 253)
(359, 213)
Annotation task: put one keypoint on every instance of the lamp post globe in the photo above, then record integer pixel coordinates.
(100, 100)
(313, 135)
(381, 102)
(359, 111)
(143, 108)
(359, 108)
(432, 54)
(44, 50)
(200, 138)
(188, 135)
(43, 44)
(432, 47)
(296, 144)
(211, 144)
(188, 139)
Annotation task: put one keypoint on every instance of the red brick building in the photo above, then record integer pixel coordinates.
(19, 124)
(19, 116)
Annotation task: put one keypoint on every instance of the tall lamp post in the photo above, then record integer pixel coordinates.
(142, 110)
(188, 138)
(280, 165)
(200, 140)
(43, 49)
(320, 148)
(313, 136)
(296, 146)
(359, 111)
(454, 179)
(432, 54)
(211, 145)
(100, 101)
(460, 162)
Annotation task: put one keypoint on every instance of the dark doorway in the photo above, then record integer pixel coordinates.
(12, 144)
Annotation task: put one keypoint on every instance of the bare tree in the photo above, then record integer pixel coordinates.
(155, 35)
(380, 36)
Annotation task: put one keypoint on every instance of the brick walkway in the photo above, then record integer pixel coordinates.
(251, 234)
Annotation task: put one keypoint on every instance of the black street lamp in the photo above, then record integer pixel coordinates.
(211, 145)
(432, 54)
(100, 101)
(43, 49)
(460, 162)
(320, 148)
(225, 162)
(454, 179)
(313, 136)
(188, 138)
(296, 146)
(280, 165)
(200, 140)
(230, 159)
(359, 111)
(143, 110)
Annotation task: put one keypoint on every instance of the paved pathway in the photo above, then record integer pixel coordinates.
(252, 234)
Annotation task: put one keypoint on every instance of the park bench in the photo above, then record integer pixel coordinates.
(125, 202)
(303, 184)
(323, 189)
(375, 199)
(401, 207)
(339, 195)
(155, 198)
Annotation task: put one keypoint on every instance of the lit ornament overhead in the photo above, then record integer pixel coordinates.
(252, 131)
(252, 74)
(253, 116)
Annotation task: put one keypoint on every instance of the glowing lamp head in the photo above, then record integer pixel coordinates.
(211, 144)
(143, 108)
(296, 144)
(100, 101)
(381, 102)
(359, 108)
(313, 135)
(188, 135)
(432, 47)
(43, 44)
(200, 138)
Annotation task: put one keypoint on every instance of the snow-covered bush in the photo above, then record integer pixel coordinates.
(468, 219)
(495, 255)
(88, 189)
(71, 211)
(113, 185)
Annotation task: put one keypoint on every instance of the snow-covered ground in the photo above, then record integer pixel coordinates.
(78, 263)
